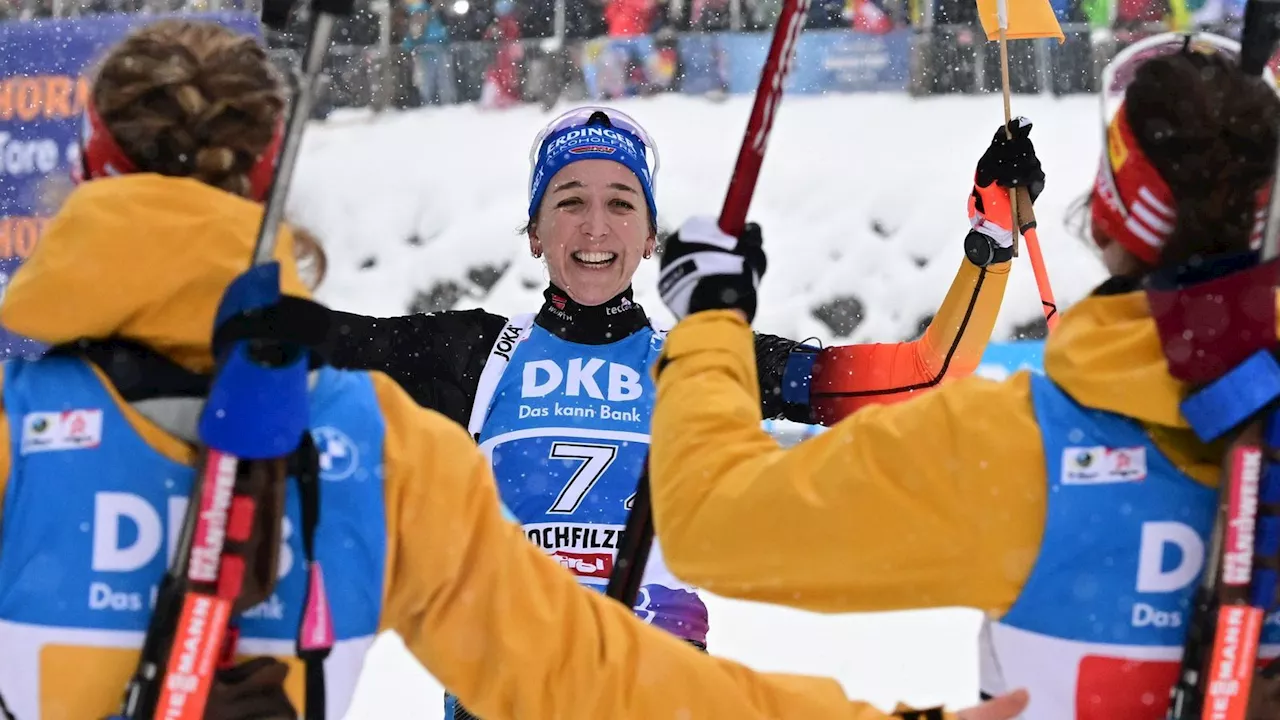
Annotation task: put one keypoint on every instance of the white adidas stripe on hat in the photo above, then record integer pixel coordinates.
(1150, 219)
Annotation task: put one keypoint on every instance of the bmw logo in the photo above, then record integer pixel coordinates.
(339, 456)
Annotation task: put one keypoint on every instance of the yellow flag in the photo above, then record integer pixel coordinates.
(1027, 19)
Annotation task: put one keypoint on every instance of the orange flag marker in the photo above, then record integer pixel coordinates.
(1027, 19)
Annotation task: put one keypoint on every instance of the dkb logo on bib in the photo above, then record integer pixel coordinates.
(129, 532)
(542, 377)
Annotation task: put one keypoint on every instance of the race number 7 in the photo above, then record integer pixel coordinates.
(595, 460)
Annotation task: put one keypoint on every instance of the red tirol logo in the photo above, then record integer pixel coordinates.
(592, 565)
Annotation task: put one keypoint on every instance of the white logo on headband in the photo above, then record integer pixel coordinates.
(590, 136)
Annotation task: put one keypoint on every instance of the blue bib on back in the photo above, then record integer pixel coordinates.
(1098, 628)
(91, 516)
(567, 432)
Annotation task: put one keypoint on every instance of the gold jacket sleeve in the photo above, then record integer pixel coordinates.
(958, 334)
(512, 634)
(846, 378)
(870, 515)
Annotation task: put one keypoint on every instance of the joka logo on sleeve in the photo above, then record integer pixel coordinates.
(66, 430)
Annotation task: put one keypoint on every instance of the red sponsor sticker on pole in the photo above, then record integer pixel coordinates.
(1230, 671)
(211, 525)
(1242, 515)
(193, 658)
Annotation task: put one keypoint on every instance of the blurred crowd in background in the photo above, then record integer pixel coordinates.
(499, 53)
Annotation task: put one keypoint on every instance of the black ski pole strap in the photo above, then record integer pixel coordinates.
(1272, 669)
(634, 546)
(292, 321)
(307, 472)
(311, 648)
(928, 714)
(136, 371)
(5, 712)
(314, 671)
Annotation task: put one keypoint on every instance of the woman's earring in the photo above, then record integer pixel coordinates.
(537, 253)
(648, 254)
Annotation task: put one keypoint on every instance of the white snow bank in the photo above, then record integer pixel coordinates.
(456, 178)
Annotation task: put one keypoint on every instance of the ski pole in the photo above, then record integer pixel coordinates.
(777, 65)
(305, 85)
(633, 547)
(637, 534)
(256, 408)
(1024, 216)
(1237, 585)
(1238, 390)
(1026, 221)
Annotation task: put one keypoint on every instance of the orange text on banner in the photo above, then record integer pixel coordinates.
(18, 235)
(42, 97)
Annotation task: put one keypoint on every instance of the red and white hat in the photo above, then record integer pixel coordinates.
(1131, 203)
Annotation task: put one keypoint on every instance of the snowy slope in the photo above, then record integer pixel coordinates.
(454, 181)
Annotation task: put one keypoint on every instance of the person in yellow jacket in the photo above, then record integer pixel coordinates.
(99, 455)
(1073, 508)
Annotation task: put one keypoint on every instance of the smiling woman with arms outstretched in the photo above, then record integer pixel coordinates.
(560, 399)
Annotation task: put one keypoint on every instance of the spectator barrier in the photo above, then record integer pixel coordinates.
(41, 92)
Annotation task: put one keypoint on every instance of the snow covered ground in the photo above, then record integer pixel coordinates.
(408, 201)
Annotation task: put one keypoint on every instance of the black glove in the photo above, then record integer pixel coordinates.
(1012, 162)
(252, 690)
(1264, 697)
(705, 269)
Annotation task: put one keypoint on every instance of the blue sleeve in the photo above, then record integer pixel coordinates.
(784, 368)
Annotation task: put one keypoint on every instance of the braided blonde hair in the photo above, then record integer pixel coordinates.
(190, 99)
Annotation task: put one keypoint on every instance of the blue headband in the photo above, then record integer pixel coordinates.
(590, 142)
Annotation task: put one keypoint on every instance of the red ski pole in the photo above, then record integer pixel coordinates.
(637, 535)
(742, 185)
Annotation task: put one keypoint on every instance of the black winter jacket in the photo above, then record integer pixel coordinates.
(438, 357)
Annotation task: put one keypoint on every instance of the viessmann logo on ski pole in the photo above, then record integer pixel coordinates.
(211, 527)
(1235, 645)
(195, 652)
(1232, 662)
